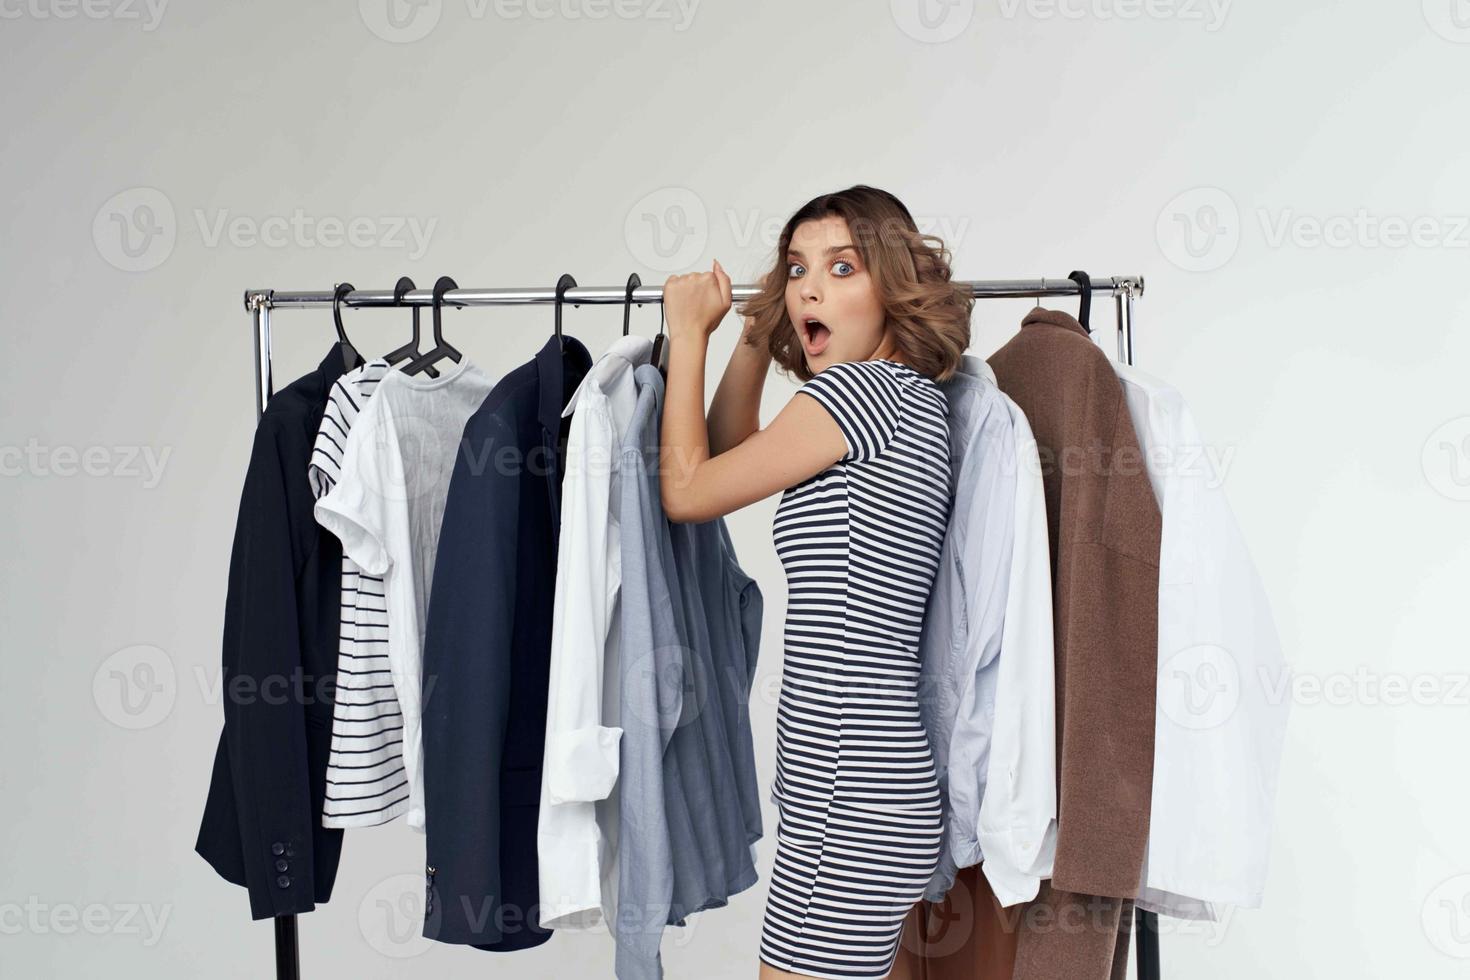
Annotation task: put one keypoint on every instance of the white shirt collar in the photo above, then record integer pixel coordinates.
(625, 354)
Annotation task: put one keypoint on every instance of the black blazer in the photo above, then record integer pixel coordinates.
(487, 652)
(262, 825)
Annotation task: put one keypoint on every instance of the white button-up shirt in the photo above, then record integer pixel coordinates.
(1219, 728)
(987, 651)
(577, 824)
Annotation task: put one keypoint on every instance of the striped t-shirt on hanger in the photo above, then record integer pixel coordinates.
(366, 783)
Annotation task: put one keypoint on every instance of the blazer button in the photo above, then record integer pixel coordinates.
(290, 850)
(284, 881)
(282, 865)
(278, 848)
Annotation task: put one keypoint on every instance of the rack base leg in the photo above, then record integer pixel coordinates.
(1146, 941)
(288, 958)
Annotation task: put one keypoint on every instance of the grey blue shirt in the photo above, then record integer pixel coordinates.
(690, 633)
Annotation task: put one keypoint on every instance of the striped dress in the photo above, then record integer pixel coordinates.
(858, 799)
(366, 784)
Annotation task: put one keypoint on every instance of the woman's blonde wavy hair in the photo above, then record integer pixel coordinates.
(926, 314)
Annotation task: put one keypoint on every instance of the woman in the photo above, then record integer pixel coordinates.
(860, 306)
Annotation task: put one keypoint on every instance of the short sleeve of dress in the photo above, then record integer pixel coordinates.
(863, 396)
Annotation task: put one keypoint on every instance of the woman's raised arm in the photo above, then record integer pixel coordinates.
(801, 441)
(736, 410)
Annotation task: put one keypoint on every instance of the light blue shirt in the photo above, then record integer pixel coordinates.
(961, 641)
(987, 678)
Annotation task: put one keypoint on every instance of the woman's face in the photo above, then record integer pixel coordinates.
(830, 297)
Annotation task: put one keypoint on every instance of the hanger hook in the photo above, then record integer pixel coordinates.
(633, 283)
(343, 288)
(444, 285)
(659, 355)
(400, 289)
(1084, 286)
(562, 285)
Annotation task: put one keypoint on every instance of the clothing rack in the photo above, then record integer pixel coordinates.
(260, 302)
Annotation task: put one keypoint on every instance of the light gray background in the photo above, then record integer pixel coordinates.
(1198, 146)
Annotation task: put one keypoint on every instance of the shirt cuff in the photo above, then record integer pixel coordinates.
(632, 963)
(582, 764)
(571, 884)
(1015, 862)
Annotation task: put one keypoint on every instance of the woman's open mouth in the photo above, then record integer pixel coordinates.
(815, 334)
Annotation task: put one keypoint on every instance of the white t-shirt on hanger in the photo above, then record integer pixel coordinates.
(387, 507)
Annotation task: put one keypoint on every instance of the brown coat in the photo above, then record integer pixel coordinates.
(1103, 521)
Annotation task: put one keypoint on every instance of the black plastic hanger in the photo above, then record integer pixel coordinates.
(1084, 281)
(562, 285)
(633, 283)
(349, 353)
(656, 358)
(660, 356)
(442, 348)
(410, 350)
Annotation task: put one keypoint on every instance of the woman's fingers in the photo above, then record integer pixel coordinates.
(723, 279)
(698, 300)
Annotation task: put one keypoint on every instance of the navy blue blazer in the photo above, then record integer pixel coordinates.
(262, 825)
(487, 653)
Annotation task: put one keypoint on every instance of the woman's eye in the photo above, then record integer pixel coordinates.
(839, 265)
(791, 270)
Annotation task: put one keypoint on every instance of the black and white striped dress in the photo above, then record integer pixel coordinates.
(859, 830)
(366, 784)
